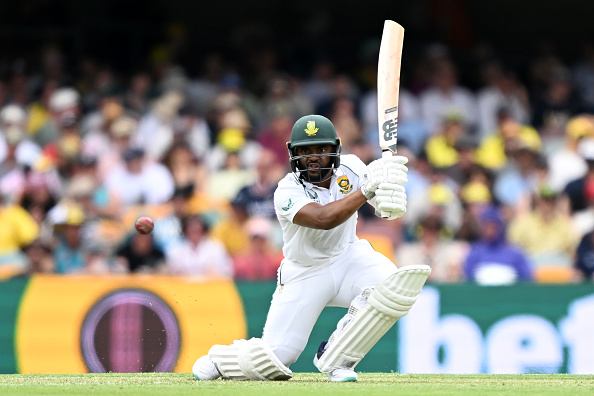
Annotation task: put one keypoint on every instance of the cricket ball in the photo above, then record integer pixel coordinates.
(144, 225)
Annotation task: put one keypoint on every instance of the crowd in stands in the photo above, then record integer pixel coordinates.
(501, 176)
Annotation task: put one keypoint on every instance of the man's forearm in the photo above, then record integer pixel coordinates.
(326, 217)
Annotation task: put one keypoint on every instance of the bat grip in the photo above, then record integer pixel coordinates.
(386, 153)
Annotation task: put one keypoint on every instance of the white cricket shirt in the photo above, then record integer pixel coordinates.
(309, 247)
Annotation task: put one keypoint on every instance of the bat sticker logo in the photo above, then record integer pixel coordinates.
(390, 124)
(389, 127)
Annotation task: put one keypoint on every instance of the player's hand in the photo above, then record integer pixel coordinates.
(384, 170)
(396, 171)
(376, 174)
(390, 199)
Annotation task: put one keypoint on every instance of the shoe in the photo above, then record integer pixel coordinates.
(338, 375)
(342, 375)
(205, 370)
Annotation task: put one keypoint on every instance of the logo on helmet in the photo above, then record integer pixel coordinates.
(311, 128)
(344, 184)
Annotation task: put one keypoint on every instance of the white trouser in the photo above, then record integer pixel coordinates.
(302, 294)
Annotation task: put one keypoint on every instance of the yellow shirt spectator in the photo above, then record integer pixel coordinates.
(440, 152)
(536, 236)
(18, 229)
(232, 235)
(491, 152)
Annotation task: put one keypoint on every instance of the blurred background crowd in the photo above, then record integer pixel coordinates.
(501, 161)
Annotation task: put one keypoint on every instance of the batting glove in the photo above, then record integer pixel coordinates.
(376, 174)
(396, 171)
(390, 200)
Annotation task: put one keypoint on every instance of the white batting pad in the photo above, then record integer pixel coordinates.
(248, 360)
(388, 302)
(226, 358)
(258, 362)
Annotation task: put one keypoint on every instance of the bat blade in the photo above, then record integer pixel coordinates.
(388, 85)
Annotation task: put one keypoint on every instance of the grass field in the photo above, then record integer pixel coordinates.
(301, 384)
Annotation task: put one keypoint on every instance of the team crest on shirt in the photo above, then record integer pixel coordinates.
(344, 184)
(311, 128)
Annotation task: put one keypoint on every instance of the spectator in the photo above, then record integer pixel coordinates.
(18, 230)
(567, 164)
(96, 199)
(466, 168)
(343, 115)
(439, 198)
(140, 181)
(435, 249)
(169, 231)
(66, 149)
(108, 108)
(492, 151)
(97, 125)
(584, 261)
(184, 166)
(556, 106)
(441, 148)
(503, 90)
(226, 182)
(522, 176)
(155, 129)
(39, 110)
(203, 90)
(258, 197)
(230, 231)
(476, 197)
(260, 261)
(583, 220)
(139, 254)
(109, 148)
(576, 190)
(40, 194)
(546, 234)
(192, 130)
(319, 85)
(61, 101)
(70, 254)
(13, 120)
(233, 140)
(282, 97)
(136, 98)
(492, 259)
(39, 257)
(446, 96)
(197, 254)
(14, 174)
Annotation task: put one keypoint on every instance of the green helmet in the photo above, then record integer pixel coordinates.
(314, 130)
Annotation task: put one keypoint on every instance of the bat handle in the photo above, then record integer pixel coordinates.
(386, 153)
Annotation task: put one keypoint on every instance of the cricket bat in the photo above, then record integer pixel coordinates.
(388, 86)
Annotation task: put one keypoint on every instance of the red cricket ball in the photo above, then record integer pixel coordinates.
(144, 225)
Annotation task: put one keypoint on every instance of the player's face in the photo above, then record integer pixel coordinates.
(316, 159)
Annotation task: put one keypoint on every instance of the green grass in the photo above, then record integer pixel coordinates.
(301, 384)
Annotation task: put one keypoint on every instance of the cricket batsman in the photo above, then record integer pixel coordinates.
(325, 264)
